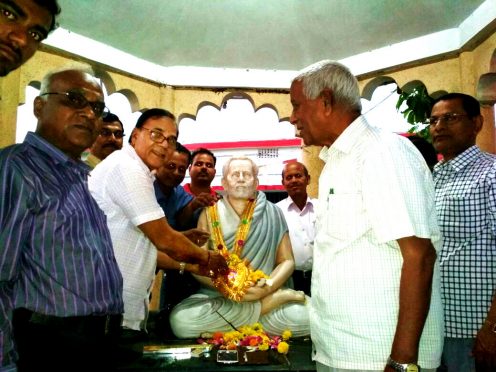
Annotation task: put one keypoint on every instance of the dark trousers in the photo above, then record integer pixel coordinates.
(80, 343)
(302, 281)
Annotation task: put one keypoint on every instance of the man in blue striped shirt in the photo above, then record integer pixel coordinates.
(57, 265)
(465, 182)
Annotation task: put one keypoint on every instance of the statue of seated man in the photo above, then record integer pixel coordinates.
(244, 223)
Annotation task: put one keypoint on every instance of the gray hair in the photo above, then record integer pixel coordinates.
(227, 164)
(334, 76)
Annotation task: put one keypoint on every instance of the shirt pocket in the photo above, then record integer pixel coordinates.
(346, 219)
(463, 217)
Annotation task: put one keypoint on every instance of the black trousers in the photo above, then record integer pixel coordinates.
(80, 343)
(302, 281)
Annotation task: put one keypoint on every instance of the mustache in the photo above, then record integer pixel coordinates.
(111, 144)
(14, 49)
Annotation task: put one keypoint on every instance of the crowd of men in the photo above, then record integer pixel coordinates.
(399, 260)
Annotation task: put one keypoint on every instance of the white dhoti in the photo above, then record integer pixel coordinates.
(200, 313)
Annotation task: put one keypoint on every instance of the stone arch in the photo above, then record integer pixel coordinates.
(187, 116)
(486, 85)
(106, 79)
(272, 107)
(35, 84)
(132, 98)
(222, 104)
(438, 93)
(492, 62)
(238, 95)
(372, 85)
(486, 94)
(201, 105)
(411, 85)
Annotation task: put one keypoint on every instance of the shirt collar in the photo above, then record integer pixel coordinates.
(461, 160)
(290, 204)
(57, 155)
(187, 188)
(346, 140)
(132, 153)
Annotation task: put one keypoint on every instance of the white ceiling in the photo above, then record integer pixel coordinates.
(262, 43)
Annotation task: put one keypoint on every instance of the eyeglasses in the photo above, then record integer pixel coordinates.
(118, 134)
(449, 119)
(78, 101)
(157, 137)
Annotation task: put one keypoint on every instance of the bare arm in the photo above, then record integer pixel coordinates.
(202, 200)
(485, 342)
(419, 257)
(164, 262)
(179, 247)
(284, 263)
(203, 225)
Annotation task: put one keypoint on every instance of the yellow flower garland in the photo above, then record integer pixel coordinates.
(252, 336)
(241, 276)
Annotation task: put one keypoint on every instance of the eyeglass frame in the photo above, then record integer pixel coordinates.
(112, 133)
(154, 132)
(98, 107)
(448, 118)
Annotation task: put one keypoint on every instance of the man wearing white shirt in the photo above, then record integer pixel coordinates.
(122, 185)
(299, 210)
(376, 302)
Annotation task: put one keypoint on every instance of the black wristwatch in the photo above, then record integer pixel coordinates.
(407, 367)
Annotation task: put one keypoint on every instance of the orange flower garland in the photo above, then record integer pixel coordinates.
(241, 276)
(253, 337)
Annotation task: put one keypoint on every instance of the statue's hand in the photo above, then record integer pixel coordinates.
(197, 236)
(256, 293)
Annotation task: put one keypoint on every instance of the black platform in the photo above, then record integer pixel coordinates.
(298, 359)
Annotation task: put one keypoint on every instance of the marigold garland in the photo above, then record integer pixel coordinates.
(241, 276)
(252, 336)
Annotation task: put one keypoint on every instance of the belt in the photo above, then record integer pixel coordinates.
(94, 324)
(307, 274)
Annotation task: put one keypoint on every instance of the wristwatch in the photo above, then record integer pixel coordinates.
(407, 367)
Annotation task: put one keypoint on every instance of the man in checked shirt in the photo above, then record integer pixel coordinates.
(465, 182)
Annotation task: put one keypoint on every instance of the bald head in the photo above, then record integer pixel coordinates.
(295, 179)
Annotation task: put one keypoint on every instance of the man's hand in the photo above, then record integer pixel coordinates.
(205, 199)
(485, 346)
(197, 236)
(216, 265)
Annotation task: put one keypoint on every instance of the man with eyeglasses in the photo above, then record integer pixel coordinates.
(109, 139)
(122, 185)
(58, 266)
(465, 182)
(24, 24)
